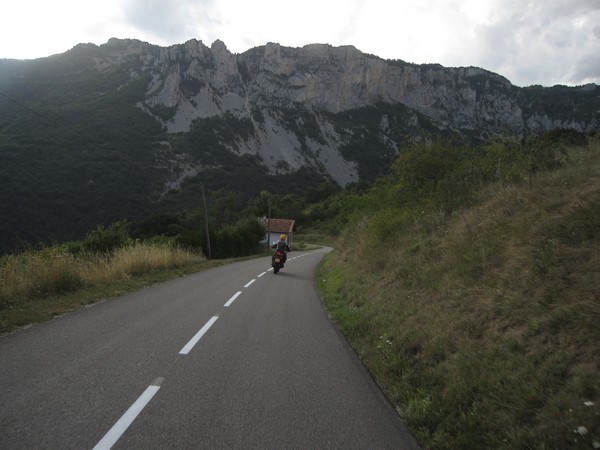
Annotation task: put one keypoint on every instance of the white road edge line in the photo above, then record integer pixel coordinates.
(232, 299)
(190, 345)
(249, 283)
(114, 434)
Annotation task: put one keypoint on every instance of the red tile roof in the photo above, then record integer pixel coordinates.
(279, 225)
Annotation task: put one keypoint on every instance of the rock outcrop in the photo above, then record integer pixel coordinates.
(281, 90)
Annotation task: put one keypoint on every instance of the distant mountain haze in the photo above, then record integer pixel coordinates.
(125, 129)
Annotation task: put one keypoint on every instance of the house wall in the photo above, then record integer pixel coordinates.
(274, 237)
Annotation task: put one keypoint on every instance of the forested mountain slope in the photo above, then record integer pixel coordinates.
(125, 129)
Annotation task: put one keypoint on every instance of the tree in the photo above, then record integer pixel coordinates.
(227, 207)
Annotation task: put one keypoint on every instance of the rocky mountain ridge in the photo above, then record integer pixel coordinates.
(330, 78)
(192, 81)
(150, 123)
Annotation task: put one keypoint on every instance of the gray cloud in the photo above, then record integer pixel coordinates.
(171, 22)
(541, 42)
(587, 69)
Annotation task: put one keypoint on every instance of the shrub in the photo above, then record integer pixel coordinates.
(191, 239)
(237, 240)
(104, 240)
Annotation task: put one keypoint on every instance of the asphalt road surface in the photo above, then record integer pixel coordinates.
(231, 357)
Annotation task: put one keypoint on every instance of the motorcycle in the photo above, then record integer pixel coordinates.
(277, 261)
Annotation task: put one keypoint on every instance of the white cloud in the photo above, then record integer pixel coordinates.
(528, 41)
(248, 24)
(169, 23)
(540, 42)
(34, 28)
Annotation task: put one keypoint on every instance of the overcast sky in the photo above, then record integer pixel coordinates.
(529, 42)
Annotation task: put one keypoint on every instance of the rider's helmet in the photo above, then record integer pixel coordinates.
(282, 237)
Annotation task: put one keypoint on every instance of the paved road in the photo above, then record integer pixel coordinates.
(212, 360)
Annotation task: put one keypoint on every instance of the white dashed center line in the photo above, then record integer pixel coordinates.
(190, 345)
(127, 419)
(232, 299)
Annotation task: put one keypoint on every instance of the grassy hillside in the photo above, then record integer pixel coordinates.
(469, 283)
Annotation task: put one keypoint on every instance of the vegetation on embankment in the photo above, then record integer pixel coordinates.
(469, 284)
(37, 286)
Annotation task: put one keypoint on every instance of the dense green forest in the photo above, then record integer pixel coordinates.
(58, 182)
(82, 154)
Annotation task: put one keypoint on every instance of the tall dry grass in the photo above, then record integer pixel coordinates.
(35, 275)
(32, 275)
(130, 261)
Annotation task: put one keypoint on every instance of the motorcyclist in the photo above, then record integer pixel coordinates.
(282, 246)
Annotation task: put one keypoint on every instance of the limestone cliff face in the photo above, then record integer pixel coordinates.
(343, 78)
(192, 81)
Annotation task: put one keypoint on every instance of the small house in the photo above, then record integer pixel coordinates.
(274, 228)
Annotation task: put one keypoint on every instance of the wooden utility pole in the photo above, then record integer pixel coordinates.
(206, 224)
(269, 226)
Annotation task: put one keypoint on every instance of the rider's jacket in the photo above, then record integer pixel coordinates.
(282, 246)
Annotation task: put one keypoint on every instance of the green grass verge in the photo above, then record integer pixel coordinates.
(482, 325)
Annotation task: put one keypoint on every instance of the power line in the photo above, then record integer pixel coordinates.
(32, 110)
